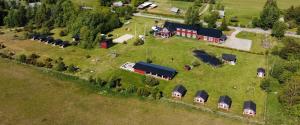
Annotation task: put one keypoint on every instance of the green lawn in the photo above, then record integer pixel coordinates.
(247, 9)
(32, 97)
(257, 41)
(239, 81)
(164, 6)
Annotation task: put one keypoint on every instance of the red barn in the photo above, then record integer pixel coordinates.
(195, 31)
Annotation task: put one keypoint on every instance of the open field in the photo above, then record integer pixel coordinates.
(31, 97)
(247, 9)
(239, 81)
(164, 6)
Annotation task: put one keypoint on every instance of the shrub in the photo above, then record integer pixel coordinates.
(62, 33)
(22, 58)
(60, 66)
(150, 81)
(87, 56)
(234, 19)
(143, 92)
(149, 60)
(195, 63)
(100, 83)
(114, 82)
(131, 89)
(266, 84)
(138, 42)
(40, 64)
(72, 68)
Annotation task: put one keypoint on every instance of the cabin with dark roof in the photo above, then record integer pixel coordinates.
(224, 102)
(201, 97)
(261, 72)
(43, 38)
(35, 37)
(64, 44)
(229, 58)
(192, 31)
(249, 108)
(57, 42)
(154, 70)
(179, 91)
(49, 40)
(107, 43)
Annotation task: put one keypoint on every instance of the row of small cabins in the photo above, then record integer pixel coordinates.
(167, 73)
(201, 97)
(50, 40)
(191, 31)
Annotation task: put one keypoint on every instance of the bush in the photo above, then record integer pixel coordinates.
(143, 92)
(266, 84)
(100, 83)
(131, 89)
(40, 64)
(150, 81)
(138, 42)
(72, 68)
(195, 63)
(62, 33)
(22, 58)
(60, 66)
(114, 82)
(234, 19)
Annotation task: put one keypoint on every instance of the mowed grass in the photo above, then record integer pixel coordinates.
(164, 6)
(257, 41)
(247, 9)
(239, 81)
(31, 97)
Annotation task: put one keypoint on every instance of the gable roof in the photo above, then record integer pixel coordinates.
(250, 105)
(261, 70)
(229, 57)
(225, 99)
(203, 94)
(180, 88)
(200, 30)
(157, 69)
(58, 42)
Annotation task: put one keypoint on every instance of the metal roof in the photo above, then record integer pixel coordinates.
(180, 88)
(156, 69)
(203, 94)
(225, 99)
(250, 105)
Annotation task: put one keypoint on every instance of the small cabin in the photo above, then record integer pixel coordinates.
(249, 108)
(49, 40)
(43, 38)
(201, 97)
(57, 42)
(64, 44)
(261, 72)
(107, 43)
(224, 102)
(35, 37)
(179, 91)
(229, 58)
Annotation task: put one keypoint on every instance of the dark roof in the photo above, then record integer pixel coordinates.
(180, 88)
(225, 99)
(203, 94)
(58, 42)
(261, 70)
(156, 69)
(50, 39)
(200, 30)
(229, 57)
(250, 105)
(207, 58)
(65, 44)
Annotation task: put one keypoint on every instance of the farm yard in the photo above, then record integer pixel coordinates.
(32, 96)
(175, 52)
(164, 6)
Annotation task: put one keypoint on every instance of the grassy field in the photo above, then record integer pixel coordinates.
(164, 6)
(31, 97)
(239, 82)
(257, 41)
(247, 9)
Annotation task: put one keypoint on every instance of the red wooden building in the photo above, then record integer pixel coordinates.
(192, 31)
